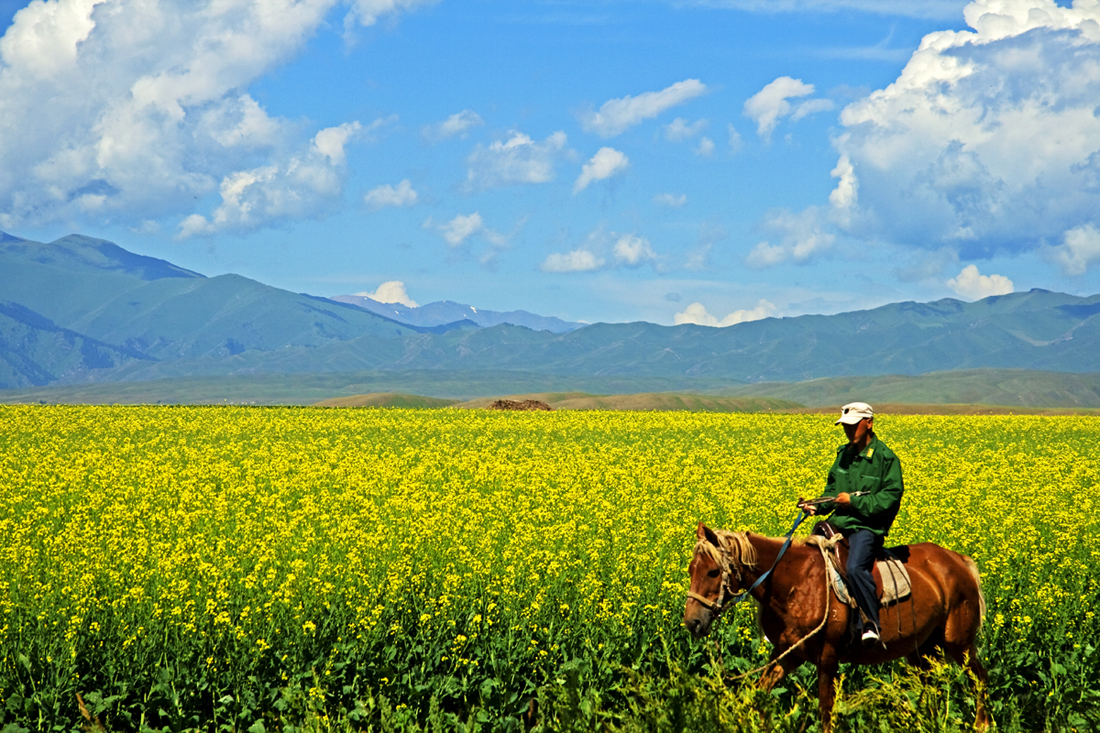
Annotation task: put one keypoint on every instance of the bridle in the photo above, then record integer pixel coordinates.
(721, 557)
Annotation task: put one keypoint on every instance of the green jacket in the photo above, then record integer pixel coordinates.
(878, 472)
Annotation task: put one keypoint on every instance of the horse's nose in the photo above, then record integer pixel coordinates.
(695, 626)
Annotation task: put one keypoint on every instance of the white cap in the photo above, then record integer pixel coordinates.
(853, 412)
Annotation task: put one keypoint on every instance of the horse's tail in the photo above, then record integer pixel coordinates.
(973, 568)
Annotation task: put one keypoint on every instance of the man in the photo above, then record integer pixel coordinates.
(866, 480)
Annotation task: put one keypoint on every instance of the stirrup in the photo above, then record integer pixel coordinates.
(870, 635)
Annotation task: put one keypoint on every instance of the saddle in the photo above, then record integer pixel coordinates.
(891, 576)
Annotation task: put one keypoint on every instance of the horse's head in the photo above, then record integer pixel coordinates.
(710, 579)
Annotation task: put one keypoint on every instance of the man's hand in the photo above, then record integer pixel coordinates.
(809, 509)
(843, 498)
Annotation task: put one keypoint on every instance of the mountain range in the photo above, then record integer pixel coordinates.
(81, 310)
(446, 312)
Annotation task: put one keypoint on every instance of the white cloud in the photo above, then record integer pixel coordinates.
(514, 161)
(579, 260)
(147, 226)
(679, 130)
(735, 141)
(258, 197)
(699, 257)
(987, 141)
(844, 195)
(697, 313)
(603, 250)
(458, 229)
(765, 254)
(972, 284)
(632, 250)
(303, 186)
(131, 111)
(391, 292)
(604, 164)
(616, 115)
(372, 132)
(811, 107)
(945, 9)
(670, 200)
(330, 142)
(387, 195)
(1080, 248)
(803, 235)
(770, 104)
(457, 125)
(367, 12)
(462, 227)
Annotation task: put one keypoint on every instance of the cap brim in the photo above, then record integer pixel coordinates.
(850, 419)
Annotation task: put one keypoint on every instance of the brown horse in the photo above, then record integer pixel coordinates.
(944, 611)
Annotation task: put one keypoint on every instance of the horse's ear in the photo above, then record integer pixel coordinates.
(704, 532)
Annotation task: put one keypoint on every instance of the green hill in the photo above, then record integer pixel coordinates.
(1008, 387)
(36, 351)
(1036, 330)
(386, 399)
(943, 392)
(115, 316)
(307, 389)
(645, 401)
(152, 312)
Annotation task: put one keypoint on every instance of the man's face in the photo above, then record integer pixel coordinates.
(857, 432)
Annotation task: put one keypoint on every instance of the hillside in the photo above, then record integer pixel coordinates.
(444, 311)
(1036, 330)
(1007, 387)
(139, 312)
(35, 350)
(971, 392)
(308, 389)
(85, 310)
(386, 399)
(645, 401)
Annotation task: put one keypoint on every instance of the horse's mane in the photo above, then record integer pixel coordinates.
(736, 546)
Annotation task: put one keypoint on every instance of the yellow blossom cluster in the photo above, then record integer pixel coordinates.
(262, 528)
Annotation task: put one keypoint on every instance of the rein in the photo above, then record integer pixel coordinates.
(721, 557)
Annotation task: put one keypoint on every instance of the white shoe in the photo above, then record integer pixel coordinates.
(870, 636)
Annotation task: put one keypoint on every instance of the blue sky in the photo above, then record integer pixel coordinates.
(706, 162)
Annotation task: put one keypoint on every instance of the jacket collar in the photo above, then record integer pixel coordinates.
(868, 452)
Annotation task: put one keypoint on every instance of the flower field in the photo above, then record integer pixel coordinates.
(255, 569)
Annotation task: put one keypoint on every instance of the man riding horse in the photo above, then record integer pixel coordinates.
(866, 480)
(805, 620)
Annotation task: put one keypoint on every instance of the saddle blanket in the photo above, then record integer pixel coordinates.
(895, 578)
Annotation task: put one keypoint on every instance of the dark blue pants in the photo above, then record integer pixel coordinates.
(863, 545)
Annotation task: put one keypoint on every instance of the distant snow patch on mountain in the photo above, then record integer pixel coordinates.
(445, 311)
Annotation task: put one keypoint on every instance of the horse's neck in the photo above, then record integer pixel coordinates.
(767, 550)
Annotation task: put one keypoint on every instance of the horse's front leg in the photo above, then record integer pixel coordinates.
(776, 670)
(827, 669)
